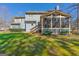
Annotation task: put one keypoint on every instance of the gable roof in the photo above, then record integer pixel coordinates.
(58, 12)
(46, 13)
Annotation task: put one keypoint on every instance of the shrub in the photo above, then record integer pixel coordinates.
(64, 32)
(47, 32)
(16, 30)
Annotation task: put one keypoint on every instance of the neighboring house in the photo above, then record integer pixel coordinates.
(18, 23)
(40, 21)
(3, 26)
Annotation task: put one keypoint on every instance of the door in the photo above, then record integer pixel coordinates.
(28, 27)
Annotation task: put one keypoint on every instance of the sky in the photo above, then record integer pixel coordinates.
(18, 9)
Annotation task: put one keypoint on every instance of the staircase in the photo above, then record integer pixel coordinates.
(35, 29)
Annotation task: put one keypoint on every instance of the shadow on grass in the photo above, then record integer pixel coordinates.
(64, 45)
(75, 42)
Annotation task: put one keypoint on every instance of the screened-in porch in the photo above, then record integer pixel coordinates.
(55, 23)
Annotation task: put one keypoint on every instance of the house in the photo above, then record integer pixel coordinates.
(18, 23)
(55, 21)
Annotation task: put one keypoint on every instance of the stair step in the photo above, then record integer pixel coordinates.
(35, 29)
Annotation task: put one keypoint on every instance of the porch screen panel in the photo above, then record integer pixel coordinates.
(47, 22)
(55, 22)
(65, 23)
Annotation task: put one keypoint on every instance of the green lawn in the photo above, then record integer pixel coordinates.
(24, 44)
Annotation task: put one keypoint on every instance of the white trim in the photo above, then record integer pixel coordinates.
(51, 20)
(56, 16)
(69, 25)
(60, 23)
(42, 25)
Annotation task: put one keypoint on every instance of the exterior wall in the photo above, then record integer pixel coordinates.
(20, 21)
(31, 17)
(15, 26)
(17, 21)
(22, 25)
(29, 26)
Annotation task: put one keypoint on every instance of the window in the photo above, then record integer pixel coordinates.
(31, 22)
(46, 22)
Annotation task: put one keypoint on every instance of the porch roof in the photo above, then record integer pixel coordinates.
(58, 12)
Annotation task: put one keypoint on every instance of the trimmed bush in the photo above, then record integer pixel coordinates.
(64, 32)
(16, 30)
(47, 32)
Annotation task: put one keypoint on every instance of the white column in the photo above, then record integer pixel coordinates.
(69, 25)
(42, 25)
(60, 23)
(51, 22)
(56, 28)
